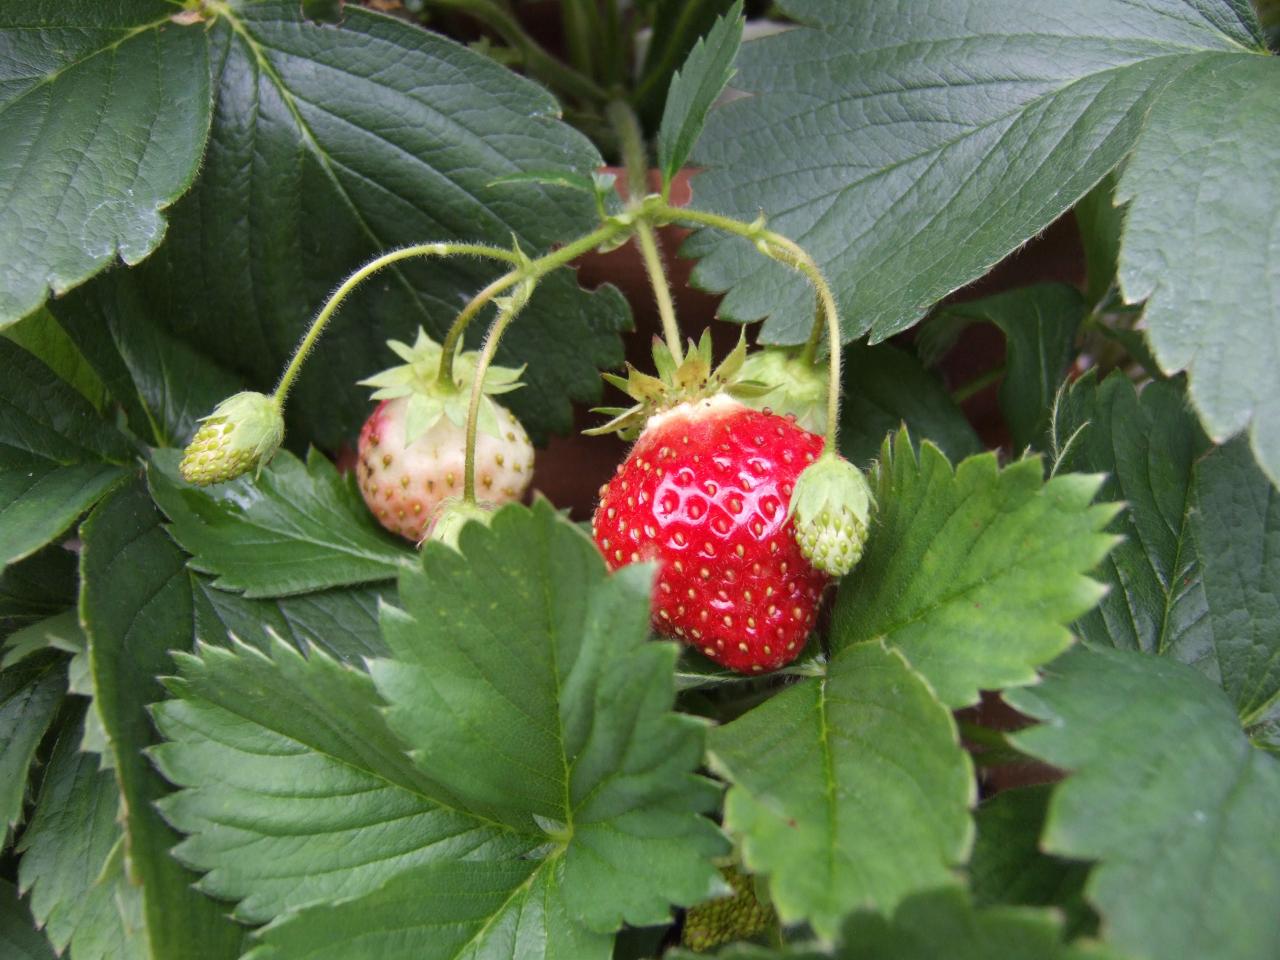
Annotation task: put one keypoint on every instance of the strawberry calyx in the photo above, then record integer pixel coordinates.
(800, 384)
(430, 397)
(687, 380)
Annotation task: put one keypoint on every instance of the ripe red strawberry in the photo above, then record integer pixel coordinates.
(705, 492)
(404, 485)
(412, 447)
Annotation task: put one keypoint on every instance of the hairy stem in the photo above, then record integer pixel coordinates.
(648, 242)
(500, 323)
(308, 342)
(788, 252)
(977, 384)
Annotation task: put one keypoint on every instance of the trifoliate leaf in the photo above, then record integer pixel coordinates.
(532, 772)
(974, 572)
(1202, 177)
(105, 111)
(1169, 795)
(58, 457)
(522, 676)
(72, 859)
(847, 790)
(910, 144)
(297, 528)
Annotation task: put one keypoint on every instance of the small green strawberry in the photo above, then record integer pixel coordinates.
(832, 507)
(242, 434)
(797, 385)
(739, 916)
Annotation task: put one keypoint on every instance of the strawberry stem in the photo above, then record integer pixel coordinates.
(507, 311)
(308, 342)
(777, 247)
(647, 241)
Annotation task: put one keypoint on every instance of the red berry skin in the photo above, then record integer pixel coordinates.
(704, 493)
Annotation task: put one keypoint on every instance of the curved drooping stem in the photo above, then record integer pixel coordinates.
(507, 311)
(786, 251)
(308, 342)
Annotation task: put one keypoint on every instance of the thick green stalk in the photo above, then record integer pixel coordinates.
(308, 342)
(647, 240)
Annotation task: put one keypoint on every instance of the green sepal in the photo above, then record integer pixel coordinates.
(831, 506)
(797, 385)
(242, 434)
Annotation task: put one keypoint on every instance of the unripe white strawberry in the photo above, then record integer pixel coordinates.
(404, 484)
(413, 446)
(242, 434)
(832, 506)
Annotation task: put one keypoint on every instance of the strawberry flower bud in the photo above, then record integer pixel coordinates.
(832, 505)
(798, 386)
(243, 433)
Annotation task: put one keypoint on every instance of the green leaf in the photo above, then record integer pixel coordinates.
(676, 25)
(342, 622)
(1039, 324)
(1237, 526)
(275, 746)
(847, 791)
(30, 695)
(1008, 867)
(163, 385)
(40, 586)
(19, 938)
(72, 859)
(1147, 446)
(1100, 221)
(523, 679)
(695, 87)
(40, 335)
(331, 144)
(59, 632)
(885, 388)
(57, 456)
(973, 573)
(104, 110)
(297, 528)
(910, 144)
(1171, 798)
(135, 605)
(1202, 177)
(444, 910)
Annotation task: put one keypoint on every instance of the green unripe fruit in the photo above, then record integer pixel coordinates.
(832, 505)
(243, 433)
(739, 916)
(452, 516)
(799, 387)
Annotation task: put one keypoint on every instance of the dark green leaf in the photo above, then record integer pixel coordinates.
(136, 606)
(161, 382)
(1008, 866)
(973, 573)
(1147, 446)
(57, 456)
(695, 88)
(59, 632)
(342, 622)
(523, 677)
(331, 144)
(71, 859)
(1039, 324)
(30, 694)
(884, 388)
(1237, 526)
(104, 110)
(19, 938)
(275, 746)
(1100, 221)
(40, 586)
(40, 335)
(1171, 798)
(297, 528)
(847, 791)
(910, 144)
(1201, 244)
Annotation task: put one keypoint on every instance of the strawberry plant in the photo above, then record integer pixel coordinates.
(939, 616)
